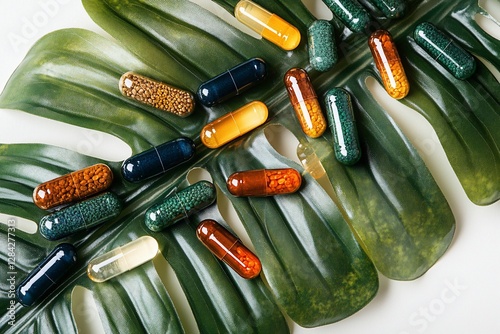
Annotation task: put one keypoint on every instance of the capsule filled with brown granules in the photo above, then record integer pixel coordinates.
(264, 182)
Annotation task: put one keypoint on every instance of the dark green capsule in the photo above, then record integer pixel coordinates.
(343, 126)
(321, 45)
(450, 55)
(391, 8)
(80, 216)
(180, 205)
(350, 13)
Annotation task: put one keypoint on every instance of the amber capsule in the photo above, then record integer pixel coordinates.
(73, 187)
(228, 248)
(305, 102)
(264, 182)
(389, 64)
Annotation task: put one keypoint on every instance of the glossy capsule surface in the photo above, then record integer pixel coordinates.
(228, 248)
(122, 259)
(80, 216)
(270, 26)
(158, 160)
(305, 102)
(234, 124)
(445, 51)
(354, 17)
(47, 275)
(391, 8)
(321, 45)
(389, 64)
(264, 182)
(73, 186)
(343, 126)
(180, 205)
(232, 82)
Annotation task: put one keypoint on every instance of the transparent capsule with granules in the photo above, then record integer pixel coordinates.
(352, 14)
(228, 248)
(321, 45)
(264, 182)
(391, 8)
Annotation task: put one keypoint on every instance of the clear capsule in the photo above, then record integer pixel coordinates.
(234, 124)
(310, 161)
(158, 160)
(264, 182)
(352, 14)
(47, 275)
(270, 26)
(228, 248)
(321, 46)
(122, 259)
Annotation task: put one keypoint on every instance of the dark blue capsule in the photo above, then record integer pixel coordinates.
(232, 82)
(158, 160)
(47, 275)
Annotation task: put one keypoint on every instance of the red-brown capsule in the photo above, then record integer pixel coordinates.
(228, 248)
(264, 182)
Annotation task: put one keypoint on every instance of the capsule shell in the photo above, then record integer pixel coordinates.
(264, 182)
(180, 205)
(47, 275)
(232, 82)
(228, 248)
(305, 102)
(350, 13)
(343, 126)
(122, 259)
(389, 64)
(73, 187)
(158, 160)
(391, 8)
(321, 46)
(449, 54)
(270, 26)
(157, 94)
(234, 124)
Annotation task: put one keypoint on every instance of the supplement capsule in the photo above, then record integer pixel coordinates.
(232, 82)
(80, 216)
(228, 248)
(234, 124)
(264, 182)
(270, 26)
(157, 94)
(389, 64)
(47, 275)
(355, 17)
(321, 45)
(73, 187)
(305, 102)
(343, 126)
(158, 160)
(450, 55)
(180, 205)
(122, 259)
(309, 159)
(391, 8)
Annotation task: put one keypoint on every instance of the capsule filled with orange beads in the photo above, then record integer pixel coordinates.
(305, 102)
(389, 64)
(228, 248)
(264, 182)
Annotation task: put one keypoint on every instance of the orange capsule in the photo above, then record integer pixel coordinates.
(264, 182)
(389, 64)
(228, 248)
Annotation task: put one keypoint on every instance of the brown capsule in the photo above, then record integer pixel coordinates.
(264, 182)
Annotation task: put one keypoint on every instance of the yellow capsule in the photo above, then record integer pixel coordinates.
(270, 26)
(234, 124)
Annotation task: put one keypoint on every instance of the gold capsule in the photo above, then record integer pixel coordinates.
(264, 182)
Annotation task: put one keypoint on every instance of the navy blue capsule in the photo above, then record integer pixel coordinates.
(158, 160)
(47, 275)
(232, 82)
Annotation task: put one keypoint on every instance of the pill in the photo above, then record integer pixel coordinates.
(80, 216)
(270, 26)
(228, 248)
(321, 45)
(180, 205)
(234, 124)
(305, 102)
(47, 275)
(158, 159)
(264, 182)
(122, 259)
(445, 51)
(73, 186)
(391, 8)
(349, 12)
(310, 161)
(232, 82)
(343, 126)
(389, 64)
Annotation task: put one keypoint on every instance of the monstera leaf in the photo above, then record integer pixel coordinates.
(320, 251)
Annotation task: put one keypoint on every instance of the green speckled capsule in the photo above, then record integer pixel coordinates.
(180, 205)
(350, 13)
(321, 45)
(343, 126)
(450, 55)
(80, 216)
(391, 8)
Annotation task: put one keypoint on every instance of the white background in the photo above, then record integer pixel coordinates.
(460, 294)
